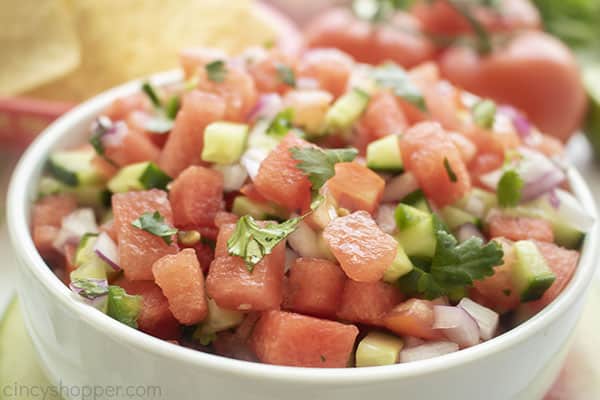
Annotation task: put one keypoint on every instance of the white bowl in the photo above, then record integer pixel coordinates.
(80, 347)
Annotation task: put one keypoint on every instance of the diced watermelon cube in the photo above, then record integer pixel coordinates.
(185, 142)
(363, 250)
(232, 286)
(134, 147)
(356, 187)
(367, 303)
(563, 263)
(120, 108)
(280, 181)
(520, 228)
(46, 220)
(196, 196)
(283, 338)
(314, 287)
(182, 282)
(429, 153)
(139, 249)
(415, 318)
(155, 317)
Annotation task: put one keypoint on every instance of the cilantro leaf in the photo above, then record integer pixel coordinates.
(90, 288)
(216, 71)
(152, 95)
(450, 171)
(286, 74)
(393, 77)
(465, 8)
(453, 267)
(172, 107)
(318, 164)
(484, 113)
(509, 189)
(252, 241)
(154, 223)
(282, 123)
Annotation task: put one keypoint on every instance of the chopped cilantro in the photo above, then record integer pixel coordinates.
(172, 107)
(286, 74)
(154, 223)
(216, 71)
(164, 114)
(450, 171)
(323, 358)
(282, 123)
(454, 266)
(152, 95)
(252, 241)
(484, 113)
(509, 189)
(318, 164)
(393, 77)
(90, 288)
(507, 292)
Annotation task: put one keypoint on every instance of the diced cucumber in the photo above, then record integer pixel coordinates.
(224, 142)
(378, 349)
(454, 217)
(416, 231)
(400, 267)
(123, 307)
(87, 196)
(258, 138)
(418, 200)
(384, 154)
(346, 110)
(89, 265)
(218, 319)
(139, 176)
(530, 273)
(74, 167)
(477, 202)
(243, 205)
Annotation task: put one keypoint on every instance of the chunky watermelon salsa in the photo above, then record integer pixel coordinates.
(311, 212)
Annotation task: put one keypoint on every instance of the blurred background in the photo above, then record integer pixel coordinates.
(56, 53)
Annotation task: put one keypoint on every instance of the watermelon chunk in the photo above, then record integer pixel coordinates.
(563, 263)
(139, 249)
(363, 250)
(46, 220)
(232, 286)
(134, 147)
(330, 67)
(429, 153)
(497, 291)
(415, 318)
(367, 303)
(185, 142)
(196, 196)
(314, 287)
(182, 282)
(283, 338)
(280, 181)
(356, 187)
(155, 317)
(520, 228)
(382, 117)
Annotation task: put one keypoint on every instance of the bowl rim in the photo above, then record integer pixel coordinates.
(20, 197)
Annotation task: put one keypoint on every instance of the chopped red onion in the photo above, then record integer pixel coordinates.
(486, 319)
(304, 83)
(475, 206)
(251, 160)
(234, 176)
(399, 187)
(107, 250)
(518, 119)
(427, 350)
(467, 231)
(385, 218)
(571, 211)
(412, 341)
(457, 325)
(305, 241)
(553, 199)
(290, 257)
(541, 184)
(268, 106)
(114, 136)
(74, 226)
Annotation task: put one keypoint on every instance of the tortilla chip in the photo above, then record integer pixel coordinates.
(38, 43)
(126, 39)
